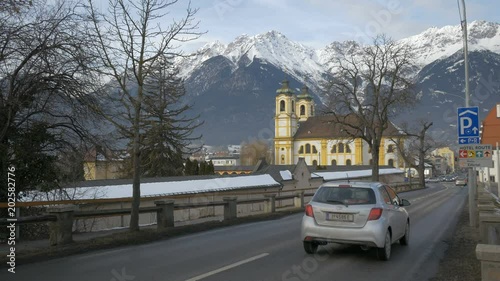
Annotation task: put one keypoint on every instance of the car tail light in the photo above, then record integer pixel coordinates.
(375, 214)
(309, 211)
(344, 185)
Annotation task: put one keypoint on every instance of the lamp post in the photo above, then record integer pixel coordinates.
(472, 175)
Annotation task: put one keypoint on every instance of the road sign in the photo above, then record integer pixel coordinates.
(468, 125)
(475, 155)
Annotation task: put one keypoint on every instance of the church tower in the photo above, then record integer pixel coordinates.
(285, 124)
(305, 105)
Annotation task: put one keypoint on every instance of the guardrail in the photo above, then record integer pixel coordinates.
(60, 219)
(488, 250)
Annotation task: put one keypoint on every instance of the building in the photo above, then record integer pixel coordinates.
(448, 155)
(317, 139)
(440, 165)
(102, 163)
(224, 160)
(490, 134)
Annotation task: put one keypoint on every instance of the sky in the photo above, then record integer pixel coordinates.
(316, 23)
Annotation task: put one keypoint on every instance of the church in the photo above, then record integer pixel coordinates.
(299, 133)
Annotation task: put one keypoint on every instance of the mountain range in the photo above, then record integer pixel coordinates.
(233, 86)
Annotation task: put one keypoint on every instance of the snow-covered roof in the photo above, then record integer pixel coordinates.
(328, 176)
(153, 189)
(286, 175)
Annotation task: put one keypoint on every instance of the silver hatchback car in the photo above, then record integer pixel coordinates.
(369, 214)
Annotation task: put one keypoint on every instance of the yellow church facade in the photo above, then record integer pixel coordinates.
(317, 139)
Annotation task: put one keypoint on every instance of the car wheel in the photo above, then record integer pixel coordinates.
(310, 247)
(384, 253)
(405, 240)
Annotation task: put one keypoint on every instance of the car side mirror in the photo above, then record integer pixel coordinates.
(405, 202)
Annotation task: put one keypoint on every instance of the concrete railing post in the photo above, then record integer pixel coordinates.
(299, 200)
(165, 216)
(271, 203)
(230, 208)
(489, 228)
(489, 256)
(61, 230)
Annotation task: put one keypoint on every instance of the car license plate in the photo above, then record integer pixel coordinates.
(339, 217)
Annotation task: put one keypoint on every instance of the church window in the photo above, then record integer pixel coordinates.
(311, 112)
(348, 162)
(341, 148)
(334, 149)
(390, 148)
(302, 110)
(301, 149)
(308, 148)
(293, 106)
(282, 105)
(334, 162)
(282, 159)
(347, 148)
(391, 162)
(315, 163)
(314, 149)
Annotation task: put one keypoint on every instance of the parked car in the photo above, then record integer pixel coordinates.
(461, 182)
(368, 214)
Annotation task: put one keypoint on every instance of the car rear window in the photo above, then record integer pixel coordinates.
(345, 195)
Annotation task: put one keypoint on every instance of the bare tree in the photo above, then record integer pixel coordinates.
(131, 42)
(417, 145)
(252, 152)
(369, 85)
(43, 62)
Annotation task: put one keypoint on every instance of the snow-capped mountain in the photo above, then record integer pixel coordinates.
(233, 86)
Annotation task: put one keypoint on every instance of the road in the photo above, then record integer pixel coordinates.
(268, 250)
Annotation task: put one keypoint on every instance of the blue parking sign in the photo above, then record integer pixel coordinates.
(468, 125)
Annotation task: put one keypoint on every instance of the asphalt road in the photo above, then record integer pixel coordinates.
(269, 250)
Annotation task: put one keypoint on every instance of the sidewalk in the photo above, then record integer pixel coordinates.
(459, 262)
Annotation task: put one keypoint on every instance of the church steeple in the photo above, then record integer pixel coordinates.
(285, 123)
(305, 104)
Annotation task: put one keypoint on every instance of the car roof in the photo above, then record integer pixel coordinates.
(362, 184)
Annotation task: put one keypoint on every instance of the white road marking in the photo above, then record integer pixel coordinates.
(199, 277)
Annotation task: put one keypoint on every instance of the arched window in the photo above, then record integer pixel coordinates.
(347, 148)
(282, 159)
(293, 106)
(301, 149)
(390, 148)
(334, 162)
(341, 148)
(314, 149)
(390, 162)
(302, 110)
(348, 162)
(334, 149)
(311, 112)
(282, 105)
(308, 148)
(315, 163)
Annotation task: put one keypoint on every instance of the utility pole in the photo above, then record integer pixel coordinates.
(471, 172)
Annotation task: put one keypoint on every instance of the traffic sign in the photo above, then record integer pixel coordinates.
(475, 155)
(468, 125)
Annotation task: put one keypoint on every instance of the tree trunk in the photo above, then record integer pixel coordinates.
(136, 186)
(421, 159)
(375, 157)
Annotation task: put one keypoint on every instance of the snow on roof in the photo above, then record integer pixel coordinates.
(286, 175)
(328, 176)
(157, 188)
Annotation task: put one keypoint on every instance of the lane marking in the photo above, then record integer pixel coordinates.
(199, 277)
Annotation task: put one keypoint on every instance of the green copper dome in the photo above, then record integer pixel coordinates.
(285, 89)
(305, 93)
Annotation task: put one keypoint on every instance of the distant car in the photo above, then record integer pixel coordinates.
(433, 180)
(461, 182)
(368, 214)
